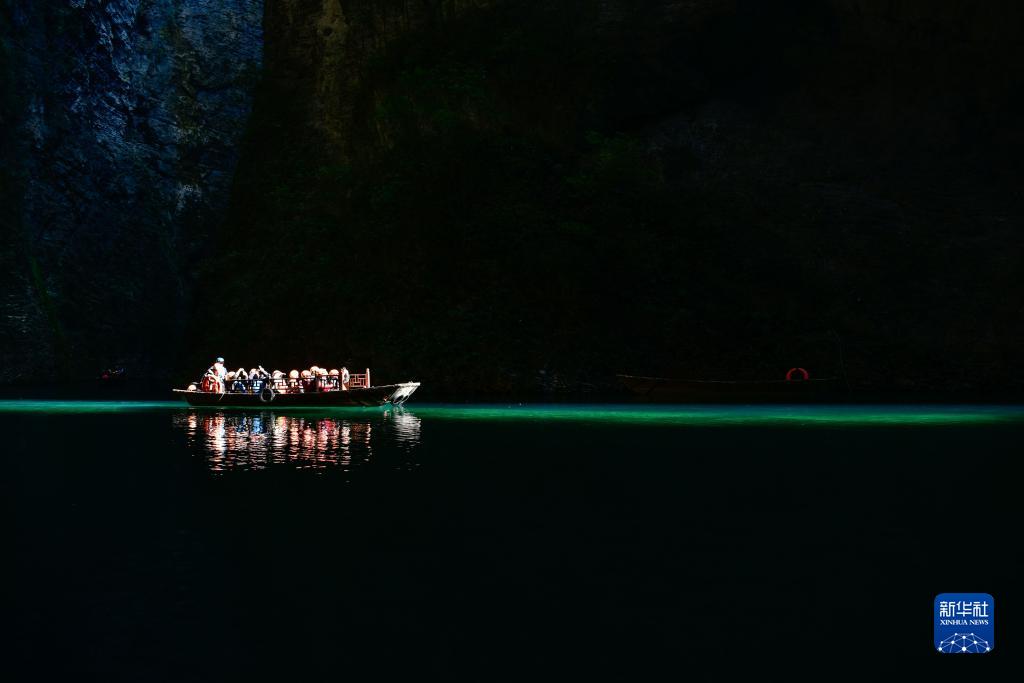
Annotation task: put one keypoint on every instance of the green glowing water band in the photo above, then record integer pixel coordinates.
(690, 415)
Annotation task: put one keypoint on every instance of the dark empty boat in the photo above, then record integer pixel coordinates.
(797, 387)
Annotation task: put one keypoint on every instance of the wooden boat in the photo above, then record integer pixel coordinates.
(308, 392)
(394, 394)
(714, 391)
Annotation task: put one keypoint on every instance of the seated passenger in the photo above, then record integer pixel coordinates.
(239, 376)
(280, 383)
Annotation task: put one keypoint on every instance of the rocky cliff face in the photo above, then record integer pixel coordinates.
(517, 194)
(527, 195)
(122, 120)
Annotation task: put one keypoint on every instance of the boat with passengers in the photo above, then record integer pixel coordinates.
(309, 388)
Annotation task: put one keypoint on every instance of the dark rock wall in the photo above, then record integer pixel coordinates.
(533, 195)
(121, 123)
(516, 194)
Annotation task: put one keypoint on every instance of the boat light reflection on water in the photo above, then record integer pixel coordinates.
(256, 441)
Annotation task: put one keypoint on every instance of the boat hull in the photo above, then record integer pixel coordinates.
(712, 391)
(394, 394)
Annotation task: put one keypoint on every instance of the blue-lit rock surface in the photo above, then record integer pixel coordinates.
(122, 121)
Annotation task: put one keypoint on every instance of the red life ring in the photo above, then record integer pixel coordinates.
(804, 375)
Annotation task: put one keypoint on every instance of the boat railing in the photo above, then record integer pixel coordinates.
(359, 381)
(296, 385)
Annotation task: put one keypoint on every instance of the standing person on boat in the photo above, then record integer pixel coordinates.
(218, 370)
(215, 376)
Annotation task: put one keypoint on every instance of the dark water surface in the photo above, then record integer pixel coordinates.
(154, 542)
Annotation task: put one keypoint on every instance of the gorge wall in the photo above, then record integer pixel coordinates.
(516, 195)
(121, 121)
(532, 196)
